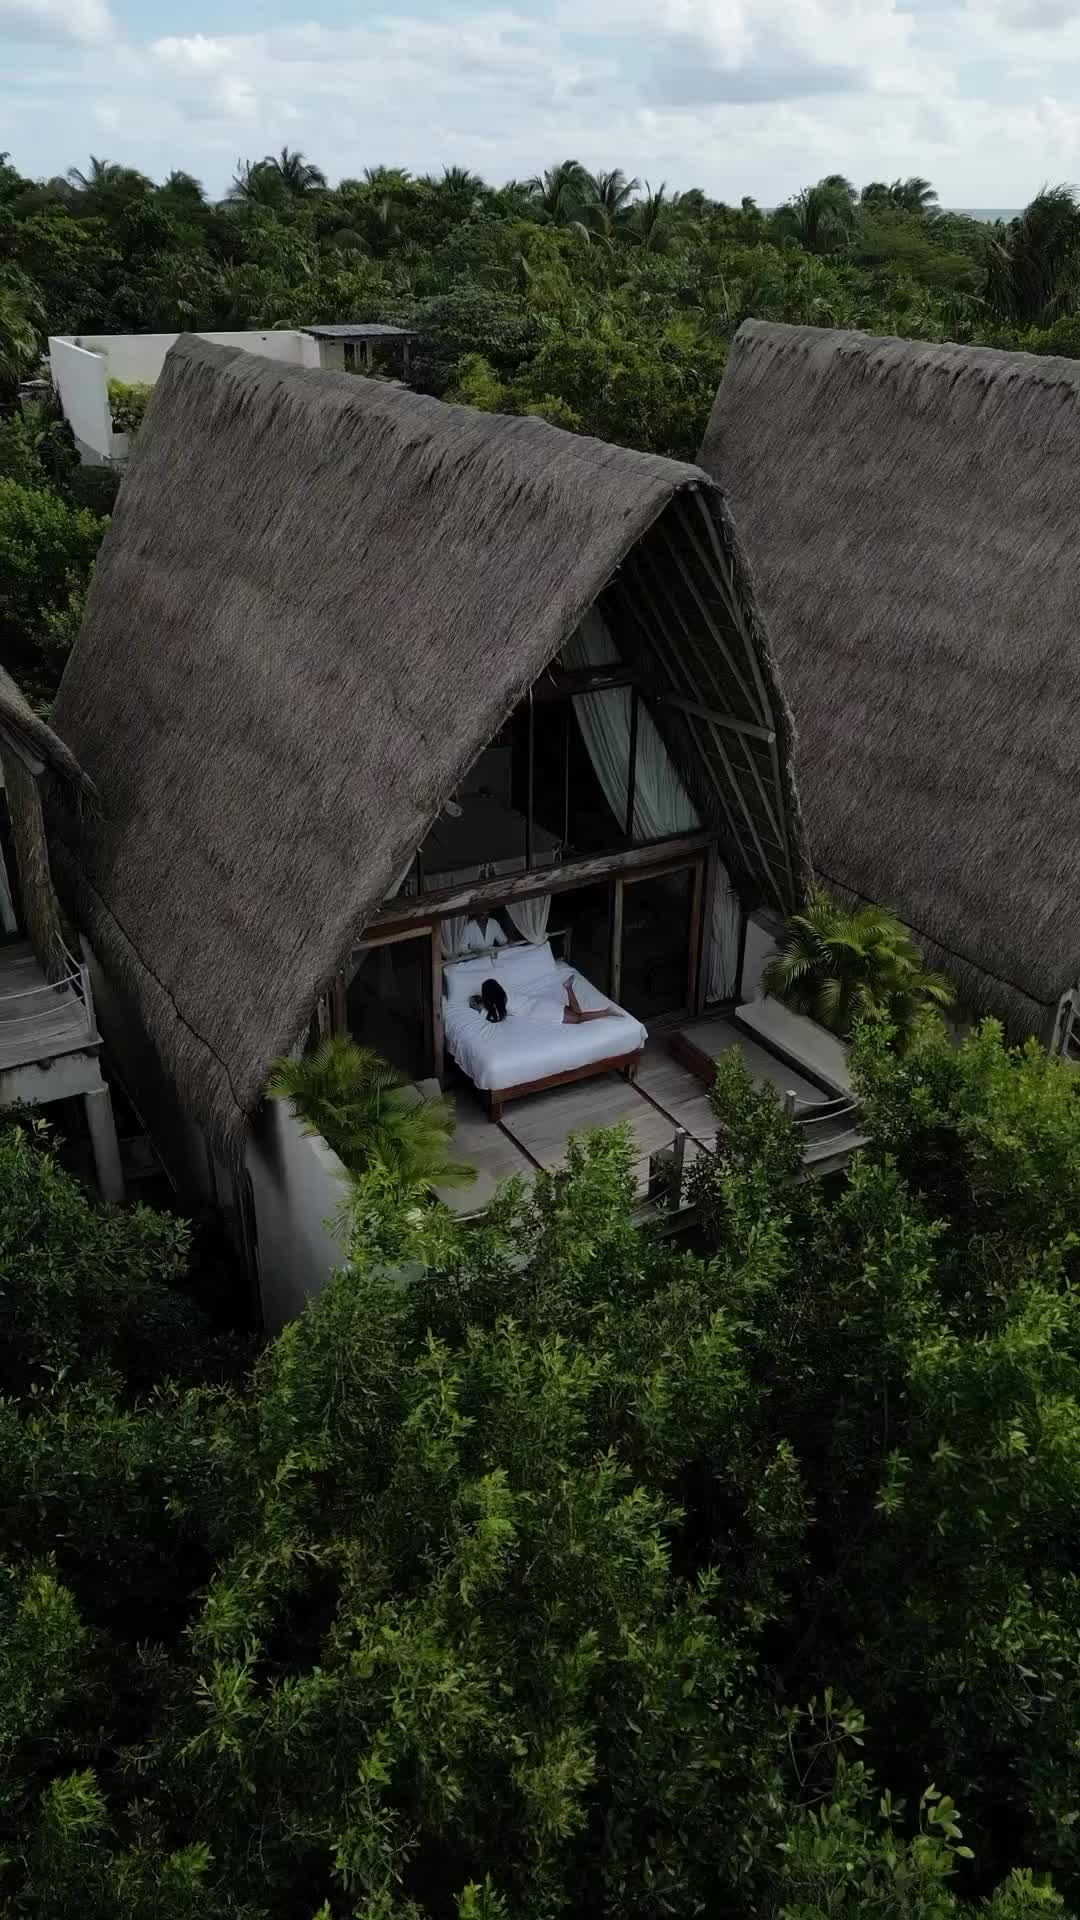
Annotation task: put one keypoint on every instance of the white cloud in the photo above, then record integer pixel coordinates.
(737, 96)
(57, 22)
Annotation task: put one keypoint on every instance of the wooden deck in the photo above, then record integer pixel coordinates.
(38, 1022)
(533, 1133)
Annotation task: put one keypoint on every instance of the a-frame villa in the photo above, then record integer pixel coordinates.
(382, 696)
(909, 512)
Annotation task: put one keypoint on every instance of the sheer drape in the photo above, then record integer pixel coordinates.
(530, 917)
(455, 937)
(662, 805)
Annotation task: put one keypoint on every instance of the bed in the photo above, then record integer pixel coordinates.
(510, 1058)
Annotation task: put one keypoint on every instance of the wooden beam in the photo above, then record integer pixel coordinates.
(711, 623)
(530, 759)
(720, 580)
(615, 968)
(562, 685)
(705, 885)
(650, 641)
(723, 572)
(372, 939)
(718, 719)
(438, 1045)
(733, 780)
(658, 856)
(734, 774)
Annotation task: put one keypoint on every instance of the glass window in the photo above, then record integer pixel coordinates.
(388, 1003)
(656, 943)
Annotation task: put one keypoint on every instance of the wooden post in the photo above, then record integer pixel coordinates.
(406, 349)
(698, 925)
(368, 361)
(529, 790)
(339, 1017)
(615, 987)
(438, 1045)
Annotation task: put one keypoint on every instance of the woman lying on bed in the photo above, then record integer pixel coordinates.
(555, 1007)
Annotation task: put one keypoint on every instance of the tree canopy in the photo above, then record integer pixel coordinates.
(580, 1572)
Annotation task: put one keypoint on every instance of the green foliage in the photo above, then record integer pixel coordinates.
(127, 403)
(542, 1583)
(368, 1113)
(47, 550)
(840, 965)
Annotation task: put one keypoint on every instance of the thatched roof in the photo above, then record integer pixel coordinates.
(318, 600)
(910, 516)
(24, 734)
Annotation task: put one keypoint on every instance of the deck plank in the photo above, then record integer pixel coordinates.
(37, 1022)
(715, 1036)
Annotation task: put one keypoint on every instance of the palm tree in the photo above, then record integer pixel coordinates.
(838, 964)
(820, 219)
(460, 182)
(388, 178)
(184, 188)
(654, 219)
(369, 1114)
(103, 173)
(610, 197)
(299, 177)
(257, 183)
(561, 194)
(1033, 269)
(915, 194)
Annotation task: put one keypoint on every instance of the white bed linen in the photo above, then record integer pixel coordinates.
(510, 1052)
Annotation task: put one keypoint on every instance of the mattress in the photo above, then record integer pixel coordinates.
(511, 1052)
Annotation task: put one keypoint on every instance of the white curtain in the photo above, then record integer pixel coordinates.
(661, 802)
(662, 805)
(530, 917)
(455, 940)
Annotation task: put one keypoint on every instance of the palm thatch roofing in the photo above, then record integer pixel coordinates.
(319, 599)
(909, 512)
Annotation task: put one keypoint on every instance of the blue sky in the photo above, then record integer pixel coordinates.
(737, 96)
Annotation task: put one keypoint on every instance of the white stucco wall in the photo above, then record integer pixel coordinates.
(82, 374)
(82, 381)
(762, 941)
(298, 1185)
(141, 356)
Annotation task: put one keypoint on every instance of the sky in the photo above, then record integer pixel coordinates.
(735, 96)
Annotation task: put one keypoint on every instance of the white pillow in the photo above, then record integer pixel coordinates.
(528, 967)
(462, 978)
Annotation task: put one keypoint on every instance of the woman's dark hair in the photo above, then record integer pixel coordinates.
(491, 1000)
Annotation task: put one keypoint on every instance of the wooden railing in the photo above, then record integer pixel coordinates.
(17, 1027)
(828, 1129)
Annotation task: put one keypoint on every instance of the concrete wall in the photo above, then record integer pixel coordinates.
(83, 364)
(141, 356)
(298, 1186)
(81, 379)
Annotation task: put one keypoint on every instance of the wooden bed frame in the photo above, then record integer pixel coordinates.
(497, 1097)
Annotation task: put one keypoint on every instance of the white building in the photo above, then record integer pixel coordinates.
(83, 365)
